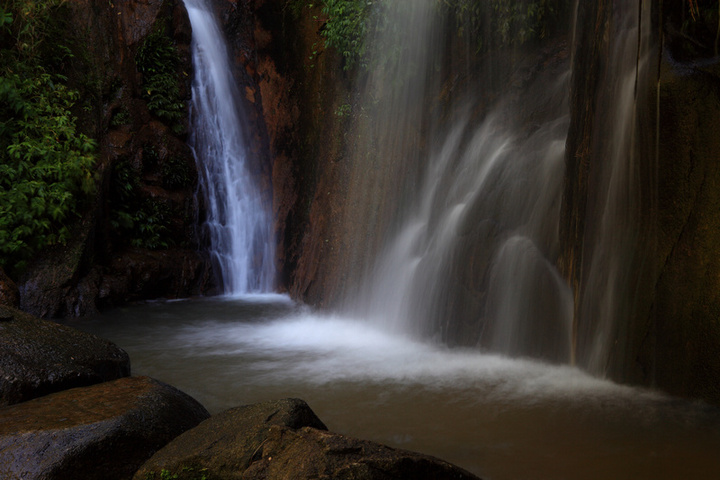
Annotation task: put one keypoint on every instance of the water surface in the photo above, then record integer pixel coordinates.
(497, 417)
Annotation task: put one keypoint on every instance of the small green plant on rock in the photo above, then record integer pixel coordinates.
(187, 473)
(176, 173)
(120, 118)
(157, 59)
(346, 28)
(343, 110)
(143, 221)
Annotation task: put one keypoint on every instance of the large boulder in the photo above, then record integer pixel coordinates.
(101, 432)
(281, 440)
(39, 357)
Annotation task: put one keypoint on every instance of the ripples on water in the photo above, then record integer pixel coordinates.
(500, 418)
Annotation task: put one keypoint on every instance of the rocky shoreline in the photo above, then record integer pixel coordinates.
(71, 409)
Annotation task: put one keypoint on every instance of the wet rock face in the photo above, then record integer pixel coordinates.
(671, 339)
(39, 357)
(284, 439)
(9, 294)
(684, 329)
(101, 432)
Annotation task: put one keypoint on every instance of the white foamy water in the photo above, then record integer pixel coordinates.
(321, 349)
(499, 417)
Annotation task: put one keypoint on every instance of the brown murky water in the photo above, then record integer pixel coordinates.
(500, 418)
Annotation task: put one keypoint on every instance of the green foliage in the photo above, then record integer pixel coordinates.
(5, 19)
(157, 59)
(176, 173)
(143, 222)
(343, 110)
(45, 163)
(487, 23)
(120, 117)
(501, 23)
(345, 25)
(346, 28)
(187, 473)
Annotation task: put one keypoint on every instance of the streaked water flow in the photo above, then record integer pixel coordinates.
(238, 223)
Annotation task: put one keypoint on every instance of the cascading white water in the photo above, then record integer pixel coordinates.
(238, 221)
(470, 232)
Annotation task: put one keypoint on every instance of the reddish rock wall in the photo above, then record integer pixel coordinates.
(293, 87)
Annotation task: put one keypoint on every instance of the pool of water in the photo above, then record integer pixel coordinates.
(501, 418)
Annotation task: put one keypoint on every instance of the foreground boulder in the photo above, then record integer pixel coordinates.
(285, 440)
(101, 432)
(38, 357)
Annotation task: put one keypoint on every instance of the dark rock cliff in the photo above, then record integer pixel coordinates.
(667, 333)
(138, 239)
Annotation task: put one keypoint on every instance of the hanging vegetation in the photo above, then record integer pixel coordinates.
(486, 24)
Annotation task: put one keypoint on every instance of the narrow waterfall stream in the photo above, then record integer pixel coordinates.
(238, 223)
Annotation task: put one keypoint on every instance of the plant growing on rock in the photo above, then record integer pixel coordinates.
(142, 221)
(487, 23)
(501, 23)
(157, 59)
(176, 173)
(45, 162)
(346, 28)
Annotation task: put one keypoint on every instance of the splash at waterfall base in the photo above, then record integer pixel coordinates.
(497, 417)
(668, 339)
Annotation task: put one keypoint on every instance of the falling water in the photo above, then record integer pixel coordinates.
(613, 244)
(468, 212)
(463, 219)
(238, 220)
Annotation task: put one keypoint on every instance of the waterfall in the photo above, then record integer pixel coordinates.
(616, 238)
(238, 221)
(465, 210)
